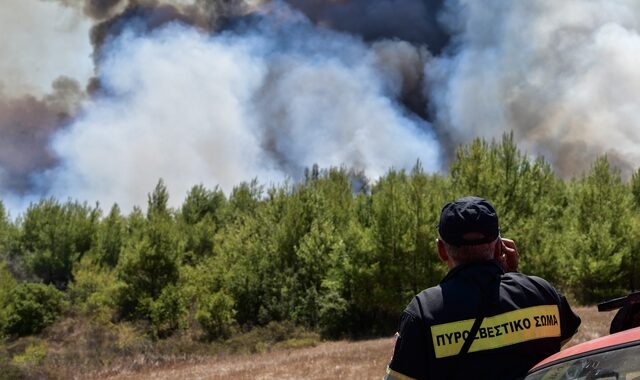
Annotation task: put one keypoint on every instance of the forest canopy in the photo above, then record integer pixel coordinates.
(335, 253)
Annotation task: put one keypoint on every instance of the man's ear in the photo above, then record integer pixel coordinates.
(497, 250)
(442, 251)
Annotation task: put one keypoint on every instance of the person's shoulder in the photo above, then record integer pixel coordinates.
(429, 294)
(521, 277)
(429, 298)
(535, 283)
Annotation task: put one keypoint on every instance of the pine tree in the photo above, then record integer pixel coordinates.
(601, 233)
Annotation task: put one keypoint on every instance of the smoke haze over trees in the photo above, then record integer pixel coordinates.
(100, 98)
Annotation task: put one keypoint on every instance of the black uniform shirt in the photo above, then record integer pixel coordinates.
(525, 320)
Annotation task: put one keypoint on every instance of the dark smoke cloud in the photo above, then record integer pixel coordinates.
(415, 21)
(113, 16)
(100, 9)
(211, 10)
(144, 18)
(94, 9)
(26, 126)
(402, 65)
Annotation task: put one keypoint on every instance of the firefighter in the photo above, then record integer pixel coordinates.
(484, 320)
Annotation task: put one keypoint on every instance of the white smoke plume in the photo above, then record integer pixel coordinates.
(40, 42)
(266, 103)
(563, 75)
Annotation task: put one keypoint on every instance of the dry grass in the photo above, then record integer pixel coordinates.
(361, 360)
(326, 361)
(594, 324)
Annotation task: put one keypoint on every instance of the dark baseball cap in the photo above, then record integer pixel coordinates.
(468, 221)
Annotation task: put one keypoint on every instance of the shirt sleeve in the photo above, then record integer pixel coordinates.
(409, 353)
(569, 320)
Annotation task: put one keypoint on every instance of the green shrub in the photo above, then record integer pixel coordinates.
(7, 282)
(8, 370)
(146, 267)
(94, 291)
(31, 308)
(53, 236)
(216, 315)
(333, 314)
(166, 313)
(275, 335)
(33, 355)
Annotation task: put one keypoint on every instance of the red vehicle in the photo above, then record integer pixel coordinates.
(615, 356)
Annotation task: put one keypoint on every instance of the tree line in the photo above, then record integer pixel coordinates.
(334, 253)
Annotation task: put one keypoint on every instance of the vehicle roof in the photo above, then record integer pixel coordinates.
(620, 338)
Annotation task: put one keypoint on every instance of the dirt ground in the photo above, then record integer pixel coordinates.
(328, 360)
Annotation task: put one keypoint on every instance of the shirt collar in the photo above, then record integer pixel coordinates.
(490, 267)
